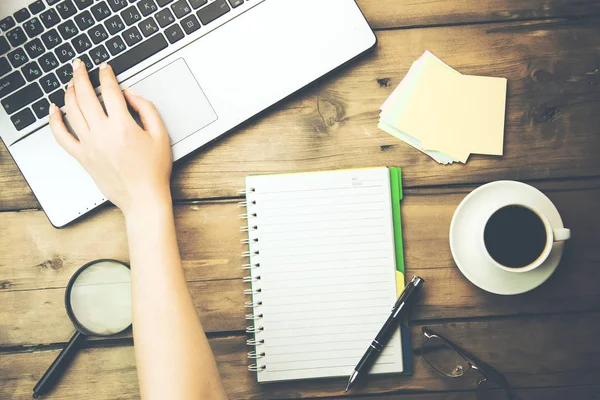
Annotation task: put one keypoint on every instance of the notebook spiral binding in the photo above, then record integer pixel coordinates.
(253, 267)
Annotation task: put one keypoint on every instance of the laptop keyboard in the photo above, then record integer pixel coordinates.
(38, 43)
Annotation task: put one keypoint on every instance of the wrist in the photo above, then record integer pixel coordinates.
(148, 207)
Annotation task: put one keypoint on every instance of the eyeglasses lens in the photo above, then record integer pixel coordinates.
(443, 358)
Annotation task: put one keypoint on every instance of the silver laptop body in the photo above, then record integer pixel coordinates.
(244, 57)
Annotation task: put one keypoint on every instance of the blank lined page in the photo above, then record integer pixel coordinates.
(325, 245)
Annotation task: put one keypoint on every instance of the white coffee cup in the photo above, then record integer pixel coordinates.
(553, 234)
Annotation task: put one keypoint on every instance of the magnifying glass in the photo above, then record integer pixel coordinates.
(98, 301)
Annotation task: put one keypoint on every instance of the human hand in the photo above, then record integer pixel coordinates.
(130, 165)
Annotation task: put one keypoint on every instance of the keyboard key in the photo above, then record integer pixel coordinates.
(115, 45)
(50, 18)
(134, 56)
(236, 3)
(86, 61)
(22, 15)
(99, 55)
(41, 108)
(95, 77)
(4, 66)
(37, 7)
(58, 98)
(132, 36)
(23, 119)
(114, 24)
(139, 53)
(101, 11)
(81, 4)
(33, 27)
(147, 7)
(163, 3)
(213, 11)
(17, 36)
(10, 83)
(65, 53)
(174, 33)
(21, 98)
(98, 34)
(198, 3)
(51, 39)
(84, 20)
(148, 27)
(117, 5)
(35, 48)
(48, 62)
(66, 9)
(181, 8)
(17, 58)
(65, 73)
(190, 24)
(68, 30)
(52, 2)
(31, 71)
(49, 83)
(4, 45)
(131, 15)
(164, 17)
(7, 23)
(81, 43)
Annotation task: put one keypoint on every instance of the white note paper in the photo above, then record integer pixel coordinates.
(326, 251)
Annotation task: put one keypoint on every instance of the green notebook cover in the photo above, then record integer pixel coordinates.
(396, 189)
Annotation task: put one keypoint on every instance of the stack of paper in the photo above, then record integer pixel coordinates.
(445, 114)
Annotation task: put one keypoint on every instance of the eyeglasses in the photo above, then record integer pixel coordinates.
(450, 360)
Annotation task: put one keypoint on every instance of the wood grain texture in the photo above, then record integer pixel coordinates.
(555, 393)
(544, 341)
(37, 266)
(553, 68)
(530, 351)
(400, 13)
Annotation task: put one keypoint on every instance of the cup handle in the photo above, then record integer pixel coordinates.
(562, 234)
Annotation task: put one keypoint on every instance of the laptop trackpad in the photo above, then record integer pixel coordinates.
(179, 99)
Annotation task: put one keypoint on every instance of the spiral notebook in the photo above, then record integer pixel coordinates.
(325, 267)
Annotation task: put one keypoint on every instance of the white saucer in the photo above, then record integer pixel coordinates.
(468, 223)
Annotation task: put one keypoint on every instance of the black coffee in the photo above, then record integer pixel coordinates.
(515, 236)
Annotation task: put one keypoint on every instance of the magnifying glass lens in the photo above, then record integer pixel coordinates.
(101, 298)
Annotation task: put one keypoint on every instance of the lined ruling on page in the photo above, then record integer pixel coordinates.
(327, 271)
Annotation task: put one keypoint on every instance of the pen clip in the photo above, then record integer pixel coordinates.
(414, 284)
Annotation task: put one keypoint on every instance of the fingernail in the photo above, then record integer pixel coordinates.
(103, 65)
(76, 64)
(52, 109)
(131, 92)
(70, 83)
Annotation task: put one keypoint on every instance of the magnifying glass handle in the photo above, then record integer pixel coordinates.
(55, 371)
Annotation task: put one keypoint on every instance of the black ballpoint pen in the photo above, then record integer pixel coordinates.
(390, 326)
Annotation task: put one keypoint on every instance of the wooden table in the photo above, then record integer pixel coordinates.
(547, 342)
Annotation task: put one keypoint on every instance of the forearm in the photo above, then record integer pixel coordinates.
(174, 359)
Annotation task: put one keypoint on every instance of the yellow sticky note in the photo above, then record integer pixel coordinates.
(481, 110)
(435, 112)
(456, 114)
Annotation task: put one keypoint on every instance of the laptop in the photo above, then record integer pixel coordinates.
(207, 65)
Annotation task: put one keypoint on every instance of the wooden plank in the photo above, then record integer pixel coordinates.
(393, 14)
(34, 317)
(553, 69)
(532, 352)
(554, 393)
(38, 261)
